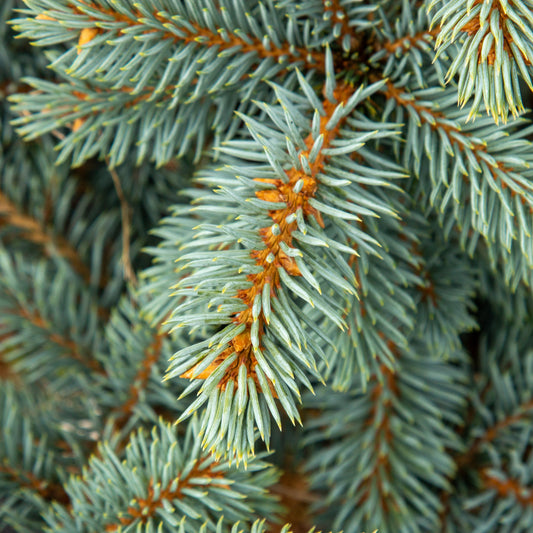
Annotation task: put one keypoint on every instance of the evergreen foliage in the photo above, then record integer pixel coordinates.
(220, 214)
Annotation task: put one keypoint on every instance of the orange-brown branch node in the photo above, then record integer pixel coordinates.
(48, 490)
(508, 487)
(86, 36)
(272, 257)
(406, 42)
(339, 15)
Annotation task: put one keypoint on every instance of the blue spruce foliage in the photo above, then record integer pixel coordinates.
(266, 266)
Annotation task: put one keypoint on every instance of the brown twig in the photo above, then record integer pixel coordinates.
(125, 211)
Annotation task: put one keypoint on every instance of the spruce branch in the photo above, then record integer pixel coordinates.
(506, 487)
(373, 438)
(184, 27)
(299, 221)
(52, 346)
(32, 230)
(381, 312)
(496, 40)
(140, 358)
(159, 475)
(246, 48)
(130, 393)
(153, 353)
(28, 480)
(488, 170)
(505, 492)
(31, 466)
(521, 413)
(409, 292)
(495, 458)
(404, 44)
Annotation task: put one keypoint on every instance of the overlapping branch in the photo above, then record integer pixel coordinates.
(34, 231)
(140, 510)
(47, 490)
(496, 47)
